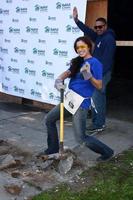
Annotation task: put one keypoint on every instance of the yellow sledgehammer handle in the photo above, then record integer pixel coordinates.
(62, 121)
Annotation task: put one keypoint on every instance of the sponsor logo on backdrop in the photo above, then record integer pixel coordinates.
(32, 19)
(4, 12)
(30, 61)
(38, 52)
(72, 29)
(60, 53)
(7, 78)
(47, 75)
(13, 70)
(63, 6)
(51, 30)
(41, 41)
(2, 68)
(31, 30)
(4, 87)
(3, 50)
(35, 93)
(24, 41)
(51, 18)
(22, 81)
(19, 51)
(14, 60)
(1, 59)
(18, 90)
(39, 84)
(39, 8)
(1, 31)
(14, 30)
(21, 10)
(15, 20)
(7, 40)
(49, 63)
(29, 71)
(52, 96)
(62, 41)
(8, 1)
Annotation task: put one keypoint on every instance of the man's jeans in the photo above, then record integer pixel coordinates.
(79, 127)
(99, 98)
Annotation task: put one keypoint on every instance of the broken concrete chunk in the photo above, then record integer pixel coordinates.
(13, 189)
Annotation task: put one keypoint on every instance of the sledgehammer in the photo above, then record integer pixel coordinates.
(61, 154)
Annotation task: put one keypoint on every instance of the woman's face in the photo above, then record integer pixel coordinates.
(82, 49)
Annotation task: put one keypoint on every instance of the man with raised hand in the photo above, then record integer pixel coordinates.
(104, 50)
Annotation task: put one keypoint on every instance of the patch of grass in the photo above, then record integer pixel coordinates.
(112, 180)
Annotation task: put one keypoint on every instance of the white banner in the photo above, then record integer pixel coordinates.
(36, 45)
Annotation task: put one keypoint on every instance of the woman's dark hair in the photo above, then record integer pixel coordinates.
(75, 65)
(78, 61)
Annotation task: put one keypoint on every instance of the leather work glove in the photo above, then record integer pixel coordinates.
(85, 70)
(59, 84)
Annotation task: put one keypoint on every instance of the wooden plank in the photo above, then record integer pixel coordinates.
(124, 43)
(94, 10)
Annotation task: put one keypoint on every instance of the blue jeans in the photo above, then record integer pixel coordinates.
(99, 98)
(79, 127)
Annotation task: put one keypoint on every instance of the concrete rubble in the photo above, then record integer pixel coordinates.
(22, 135)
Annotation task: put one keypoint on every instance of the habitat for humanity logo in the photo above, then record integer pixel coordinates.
(38, 52)
(47, 74)
(30, 61)
(52, 96)
(62, 41)
(3, 50)
(63, 6)
(21, 10)
(14, 60)
(39, 83)
(40, 8)
(18, 90)
(1, 31)
(35, 93)
(4, 12)
(50, 30)
(8, 1)
(15, 20)
(7, 40)
(49, 63)
(22, 81)
(7, 78)
(31, 30)
(41, 41)
(32, 19)
(14, 30)
(2, 68)
(58, 52)
(13, 70)
(51, 18)
(4, 87)
(20, 51)
(72, 29)
(30, 72)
